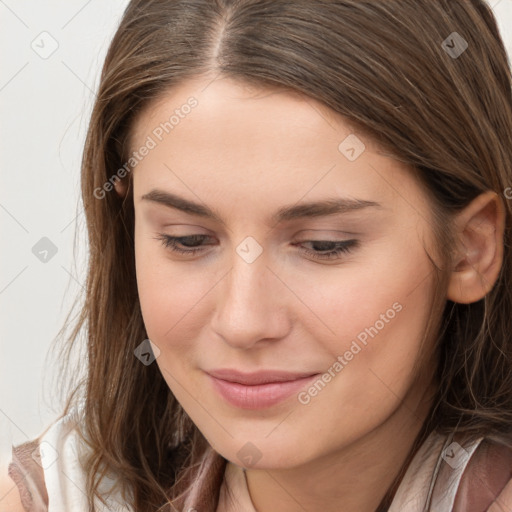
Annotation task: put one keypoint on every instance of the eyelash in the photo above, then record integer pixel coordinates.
(345, 246)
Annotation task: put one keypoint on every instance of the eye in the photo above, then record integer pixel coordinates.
(325, 249)
(189, 241)
(329, 249)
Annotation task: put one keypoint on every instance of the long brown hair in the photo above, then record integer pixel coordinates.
(383, 65)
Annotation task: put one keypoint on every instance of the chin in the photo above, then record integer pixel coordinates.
(262, 453)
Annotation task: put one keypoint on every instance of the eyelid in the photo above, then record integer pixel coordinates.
(327, 232)
(341, 247)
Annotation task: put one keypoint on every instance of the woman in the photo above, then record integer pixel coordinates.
(299, 289)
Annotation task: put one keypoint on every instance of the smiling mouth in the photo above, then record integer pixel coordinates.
(259, 390)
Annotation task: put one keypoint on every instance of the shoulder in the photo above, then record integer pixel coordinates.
(486, 483)
(22, 486)
(23, 478)
(10, 500)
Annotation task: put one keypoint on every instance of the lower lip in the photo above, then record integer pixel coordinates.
(259, 396)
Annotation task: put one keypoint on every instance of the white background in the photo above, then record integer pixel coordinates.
(44, 106)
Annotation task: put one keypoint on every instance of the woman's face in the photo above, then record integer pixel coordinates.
(259, 180)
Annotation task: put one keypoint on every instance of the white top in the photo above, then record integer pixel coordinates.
(61, 450)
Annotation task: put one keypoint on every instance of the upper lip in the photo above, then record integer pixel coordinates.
(261, 377)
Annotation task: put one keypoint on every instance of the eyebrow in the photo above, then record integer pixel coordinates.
(329, 206)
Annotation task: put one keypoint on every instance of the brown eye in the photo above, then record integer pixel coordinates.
(329, 249)
(190, 241)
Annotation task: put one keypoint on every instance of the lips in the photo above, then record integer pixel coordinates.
(258, 390)
(261, 377)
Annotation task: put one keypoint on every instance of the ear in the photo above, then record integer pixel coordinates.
(121, 186)
(478, 254)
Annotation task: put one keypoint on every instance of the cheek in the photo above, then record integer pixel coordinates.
(167, 299)
(376, 282)
(369, 369)
(171, 298)
(372, 315)
(385, 342)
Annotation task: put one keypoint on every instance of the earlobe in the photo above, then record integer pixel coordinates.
(479, 248)
(121, 186)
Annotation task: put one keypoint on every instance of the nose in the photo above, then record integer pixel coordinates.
(251, 306)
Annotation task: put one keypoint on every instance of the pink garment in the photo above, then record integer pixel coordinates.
(445, 475)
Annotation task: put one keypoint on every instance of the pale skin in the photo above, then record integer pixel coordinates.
(245, 153)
